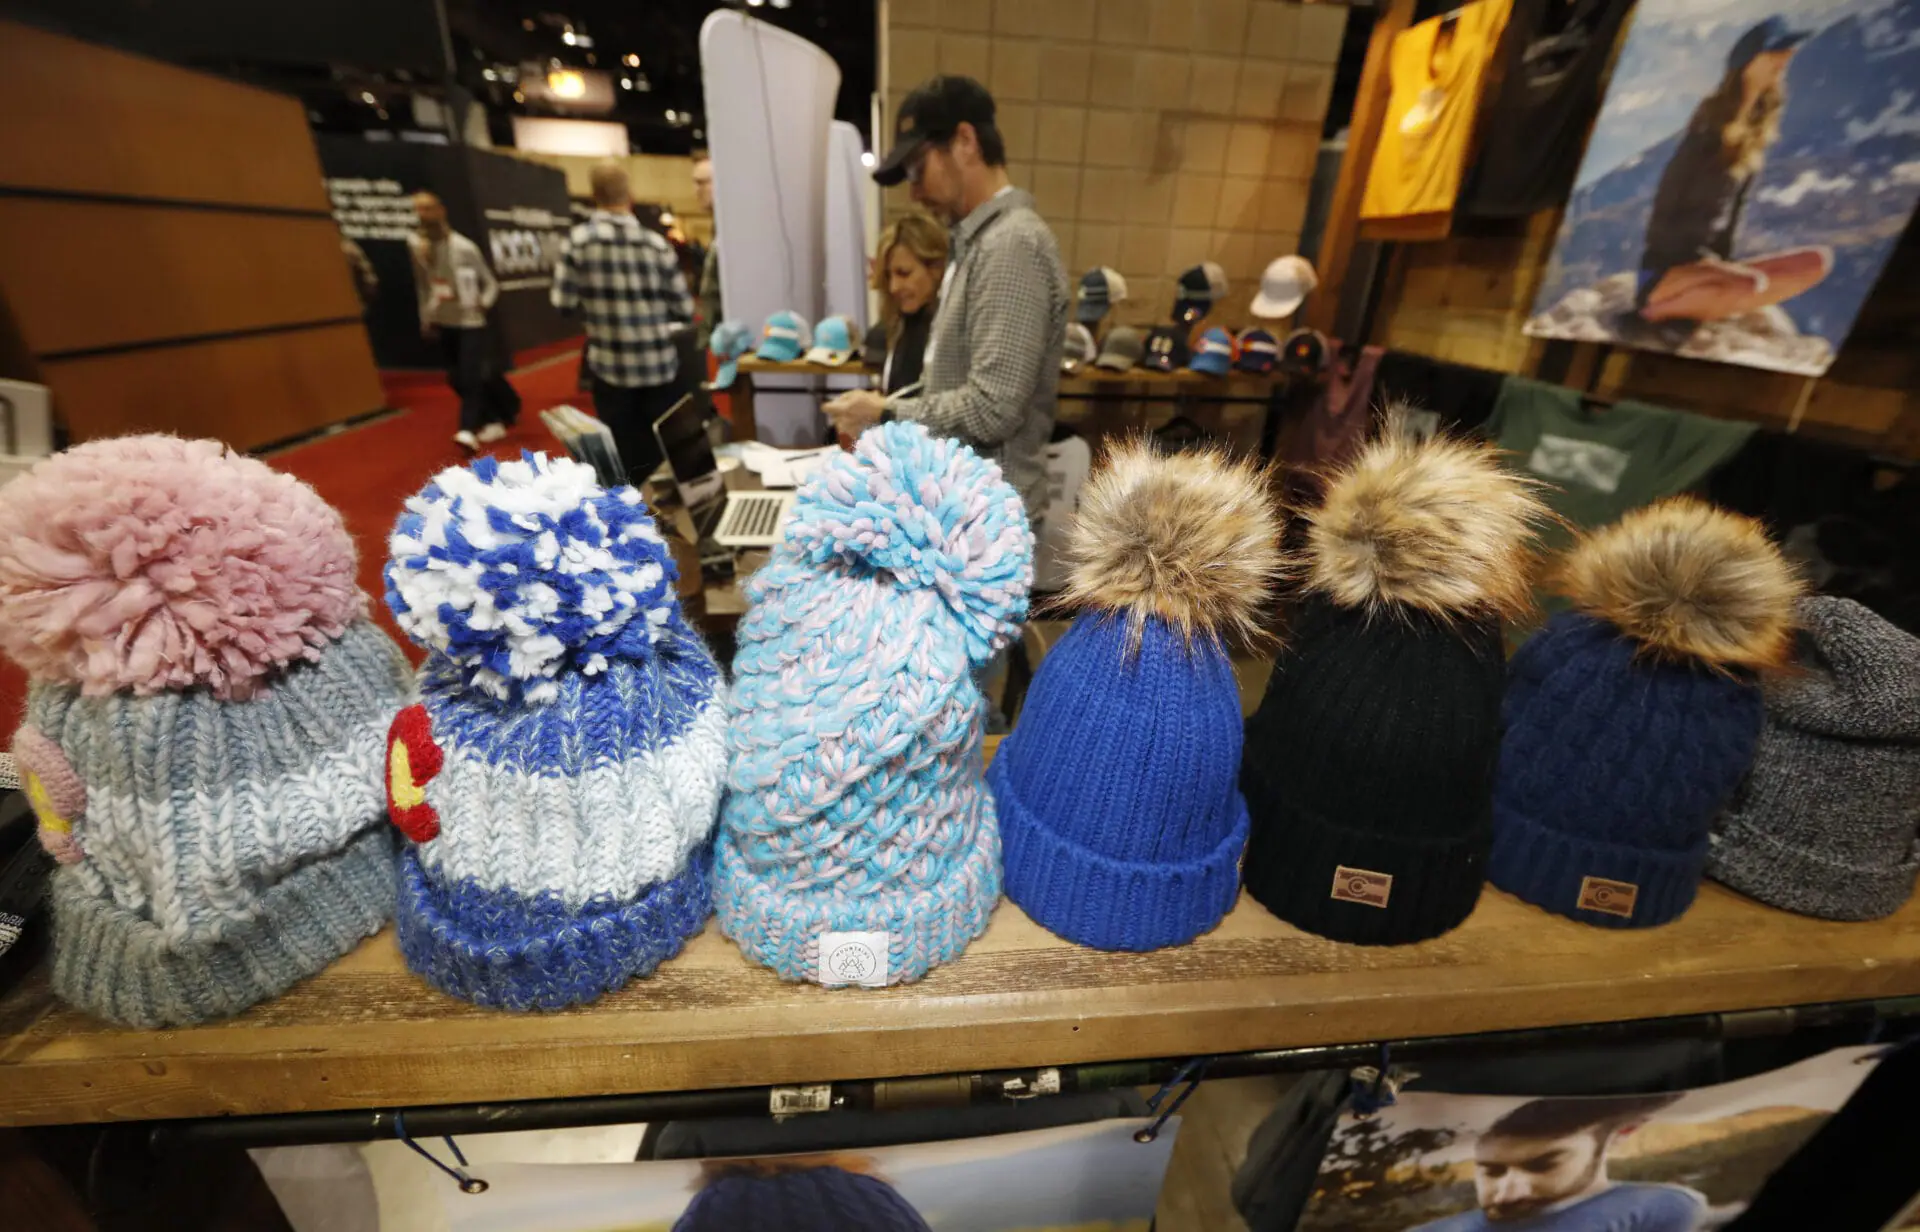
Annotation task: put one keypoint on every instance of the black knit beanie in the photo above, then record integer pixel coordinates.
(1369, 766)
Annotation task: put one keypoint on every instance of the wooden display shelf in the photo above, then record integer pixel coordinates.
(367, 1033)
(1088, 373)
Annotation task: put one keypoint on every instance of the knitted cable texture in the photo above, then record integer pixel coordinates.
(560, 776)
(856, 799)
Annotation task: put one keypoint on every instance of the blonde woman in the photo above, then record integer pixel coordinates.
(1687, 268)
(907, 268)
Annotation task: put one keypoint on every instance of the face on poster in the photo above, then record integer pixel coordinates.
(1751, 169)
(1678, 1162)
(1076, 1178)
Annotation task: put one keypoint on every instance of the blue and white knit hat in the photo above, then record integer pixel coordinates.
(560, 777)
(1119, 790)
(858, 843)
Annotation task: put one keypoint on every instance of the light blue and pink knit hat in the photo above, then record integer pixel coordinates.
(858, 843)
(561, 775)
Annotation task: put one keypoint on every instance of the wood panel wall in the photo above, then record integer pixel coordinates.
(1465, 300)
(168, 259)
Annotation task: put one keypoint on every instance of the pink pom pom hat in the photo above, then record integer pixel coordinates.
(204, 741)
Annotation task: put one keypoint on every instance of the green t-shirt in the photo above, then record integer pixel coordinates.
(1601, 463)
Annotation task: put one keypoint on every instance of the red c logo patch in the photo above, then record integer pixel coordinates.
(412, 761)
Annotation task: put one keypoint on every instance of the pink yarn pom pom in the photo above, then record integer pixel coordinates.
(152, 563)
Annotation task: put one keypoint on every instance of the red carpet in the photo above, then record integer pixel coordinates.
(367, 471)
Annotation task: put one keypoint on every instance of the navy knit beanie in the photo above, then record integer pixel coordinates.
(1121, 817)
(1369, 765)
(776, 1195)
(1631, 719)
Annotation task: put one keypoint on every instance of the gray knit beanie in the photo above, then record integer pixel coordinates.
(1828, 821)
(206, 722)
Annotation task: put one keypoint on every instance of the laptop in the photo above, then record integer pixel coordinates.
(747, 519)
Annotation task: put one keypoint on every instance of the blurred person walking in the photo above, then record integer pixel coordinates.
(624, 283)
(707, 287)
(456, 290)
(907, 267)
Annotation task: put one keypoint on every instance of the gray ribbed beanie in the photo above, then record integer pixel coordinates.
(1828, 821)
(205, 735)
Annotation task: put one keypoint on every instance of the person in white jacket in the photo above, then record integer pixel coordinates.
(456, 290)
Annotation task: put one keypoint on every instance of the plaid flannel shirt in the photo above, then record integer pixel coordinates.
(993, 359)
(625, 283)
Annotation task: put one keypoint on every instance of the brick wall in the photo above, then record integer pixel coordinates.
(1154, 134)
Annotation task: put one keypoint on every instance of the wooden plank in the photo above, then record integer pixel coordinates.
(86, 119)
(84, 274)
(1363, 134)
(246, 391)
(368, 1033)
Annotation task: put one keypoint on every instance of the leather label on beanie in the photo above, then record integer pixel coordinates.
(853, 958)
(1608, 897)
(1357, 885)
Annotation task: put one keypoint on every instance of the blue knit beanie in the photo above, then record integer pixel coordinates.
(561, 775)
(858, 836)
(1118, 791)
(1631, 719)
(780, 1195)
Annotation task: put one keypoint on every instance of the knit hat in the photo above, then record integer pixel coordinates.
(1118, 790)
(204, 724)
(1631, 718)
(858, 836)
(795, 1194)
(560, 777)
(1369, 765)
(1828, 820)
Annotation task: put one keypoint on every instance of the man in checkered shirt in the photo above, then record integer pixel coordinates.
(993, 357)
(624, 282)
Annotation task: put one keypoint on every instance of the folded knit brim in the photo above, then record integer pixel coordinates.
(512, 951)
(1303, 867)
(1605, 884)
(924, 927)
(1094, 900)
(1795, 879)
(118, 965)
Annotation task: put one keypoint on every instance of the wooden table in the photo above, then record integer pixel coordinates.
(367, 1033)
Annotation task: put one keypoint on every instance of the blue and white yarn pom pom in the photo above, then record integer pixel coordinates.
(518, 571)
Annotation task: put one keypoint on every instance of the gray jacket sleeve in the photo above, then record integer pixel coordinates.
(1008, 321)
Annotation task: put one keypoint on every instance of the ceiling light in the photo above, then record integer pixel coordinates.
(626, 83)
(568, 83)
(782, 4)
(699, 135)
(366, 96)
(518, 97)
(489, 74)
(866, 158)
(568, 37)
(526, 23)
(633, 60)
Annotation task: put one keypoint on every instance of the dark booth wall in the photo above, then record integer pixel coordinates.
(516, 211)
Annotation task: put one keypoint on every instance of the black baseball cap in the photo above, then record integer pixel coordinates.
(929, 116)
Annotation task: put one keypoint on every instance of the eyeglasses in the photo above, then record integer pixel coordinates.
(917, 165)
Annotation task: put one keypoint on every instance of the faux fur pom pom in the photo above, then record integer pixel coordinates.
(1190, 538)
(1689, 581)
(1436, 526)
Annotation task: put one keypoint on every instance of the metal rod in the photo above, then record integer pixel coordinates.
(305, 1128)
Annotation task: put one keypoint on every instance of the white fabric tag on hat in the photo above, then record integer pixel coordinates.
(853, 958)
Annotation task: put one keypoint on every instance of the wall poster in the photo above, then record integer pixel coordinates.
(1750, 172)
(1678, 1162)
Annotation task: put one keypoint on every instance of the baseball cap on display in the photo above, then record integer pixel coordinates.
(1216, 279)
(1100, 290)
(1081, 348)
(1213, 354)
(832, 342)
(1256, 350)
(785, 338)
(1288, 281)
(1193, 295)
(929, 116)
(1122, 349)
(1166, 349)
(873, 349)
(728, 342)
(1305, 351)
